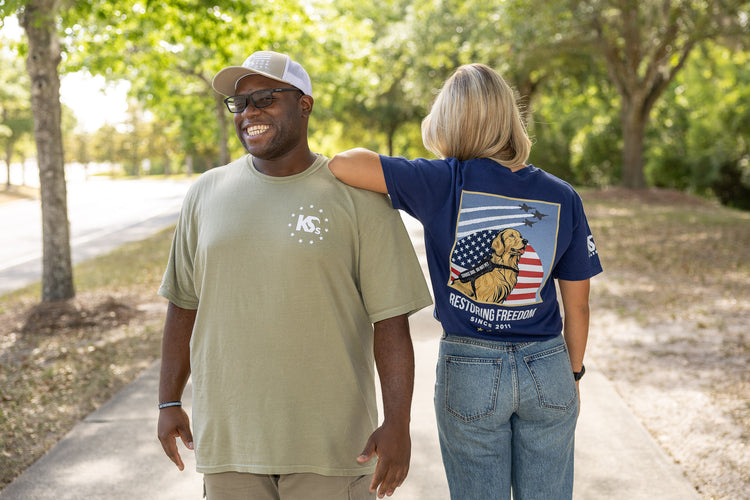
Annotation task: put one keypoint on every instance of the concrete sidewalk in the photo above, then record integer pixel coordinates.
(114, 453)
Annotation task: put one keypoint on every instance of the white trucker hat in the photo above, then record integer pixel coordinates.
(266, 63)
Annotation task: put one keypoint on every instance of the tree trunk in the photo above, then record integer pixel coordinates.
(221, 115)
(633, 129)
(526, 89)
(43, 59)
(8, 152)
(23, 170)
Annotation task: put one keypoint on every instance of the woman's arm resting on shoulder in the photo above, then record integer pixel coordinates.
(360, 168)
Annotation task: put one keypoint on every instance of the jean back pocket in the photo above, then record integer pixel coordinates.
(553, 378)
(471, 386)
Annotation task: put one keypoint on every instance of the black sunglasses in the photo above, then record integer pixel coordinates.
(260, 99)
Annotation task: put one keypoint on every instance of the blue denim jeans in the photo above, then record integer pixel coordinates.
(506, 415)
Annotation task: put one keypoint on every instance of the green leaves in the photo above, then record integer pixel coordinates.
(377, 66)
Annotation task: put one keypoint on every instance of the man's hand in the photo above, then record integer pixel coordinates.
(174, 374)
(392, 445)
(394, 358)
(173, 423)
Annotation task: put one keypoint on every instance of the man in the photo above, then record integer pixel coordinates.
(276, 276)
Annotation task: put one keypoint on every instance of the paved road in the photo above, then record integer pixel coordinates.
(103, 214)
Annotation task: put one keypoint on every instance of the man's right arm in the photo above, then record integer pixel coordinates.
(175, 371)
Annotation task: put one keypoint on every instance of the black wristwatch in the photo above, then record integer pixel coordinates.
(577, 375)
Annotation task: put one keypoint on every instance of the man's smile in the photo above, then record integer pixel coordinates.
(255, 130)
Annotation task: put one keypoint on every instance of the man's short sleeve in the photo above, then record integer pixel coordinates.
(391, 278)
(177, 285)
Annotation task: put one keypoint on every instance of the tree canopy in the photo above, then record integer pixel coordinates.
(605, 84)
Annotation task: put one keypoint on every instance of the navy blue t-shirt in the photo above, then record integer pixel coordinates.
(495, 240)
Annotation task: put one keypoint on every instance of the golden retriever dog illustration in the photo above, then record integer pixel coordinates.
(493, 279)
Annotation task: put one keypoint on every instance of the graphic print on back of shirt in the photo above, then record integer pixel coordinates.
(504, 248)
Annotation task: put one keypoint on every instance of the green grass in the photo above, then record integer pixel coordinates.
(60, 361)
(132, 265)
(669, 255)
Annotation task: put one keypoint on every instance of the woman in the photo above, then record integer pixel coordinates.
(498, 233)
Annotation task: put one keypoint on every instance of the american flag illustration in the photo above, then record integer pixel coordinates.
(480, 220)
(472, 249)
(530, 278)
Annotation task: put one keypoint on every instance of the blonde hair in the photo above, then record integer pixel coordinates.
(475, 115)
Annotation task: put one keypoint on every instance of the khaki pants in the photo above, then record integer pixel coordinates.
(244, 486)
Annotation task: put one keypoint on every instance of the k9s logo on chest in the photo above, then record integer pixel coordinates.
(308, 225)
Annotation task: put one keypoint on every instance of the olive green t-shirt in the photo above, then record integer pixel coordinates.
(287, 275)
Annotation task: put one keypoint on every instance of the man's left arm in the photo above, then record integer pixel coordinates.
(394, 358)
